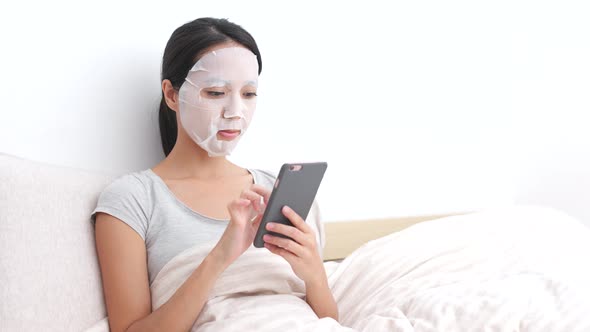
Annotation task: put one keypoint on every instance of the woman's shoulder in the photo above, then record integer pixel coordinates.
(127, 198)
(264, 177)
(133, 183)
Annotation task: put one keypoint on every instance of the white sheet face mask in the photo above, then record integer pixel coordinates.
(219, 95)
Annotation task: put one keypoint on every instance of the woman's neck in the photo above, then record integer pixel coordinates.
(188, 160)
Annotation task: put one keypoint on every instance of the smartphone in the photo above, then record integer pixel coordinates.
(296, 186)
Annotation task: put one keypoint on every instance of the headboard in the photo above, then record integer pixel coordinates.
(342, 238)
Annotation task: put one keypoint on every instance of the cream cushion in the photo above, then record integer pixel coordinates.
(49, 272)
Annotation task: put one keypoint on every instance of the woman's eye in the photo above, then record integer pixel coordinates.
(215, 93)
(250, 94)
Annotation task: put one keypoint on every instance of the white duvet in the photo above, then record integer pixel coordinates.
(518, 269)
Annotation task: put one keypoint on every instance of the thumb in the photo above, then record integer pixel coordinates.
(256, 222)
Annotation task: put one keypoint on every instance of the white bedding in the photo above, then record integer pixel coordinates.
(519, 269)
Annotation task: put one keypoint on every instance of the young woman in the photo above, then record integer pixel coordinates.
(209, 78)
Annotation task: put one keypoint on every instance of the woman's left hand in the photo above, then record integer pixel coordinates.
(301, 252)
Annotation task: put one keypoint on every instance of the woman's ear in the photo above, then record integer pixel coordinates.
(170, 95)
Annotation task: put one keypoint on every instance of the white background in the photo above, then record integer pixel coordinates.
(418, 107)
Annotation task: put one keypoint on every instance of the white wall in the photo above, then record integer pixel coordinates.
(418, 107)
(550, 99)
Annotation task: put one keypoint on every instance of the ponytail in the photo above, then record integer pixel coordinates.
(168, 126)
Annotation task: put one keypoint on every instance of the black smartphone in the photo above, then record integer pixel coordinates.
(296, 186)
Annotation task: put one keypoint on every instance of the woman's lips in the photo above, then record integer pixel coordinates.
(228, 134)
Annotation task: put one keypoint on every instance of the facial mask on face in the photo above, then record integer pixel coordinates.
(217, 96)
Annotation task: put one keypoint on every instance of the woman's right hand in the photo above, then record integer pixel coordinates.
(245, 215)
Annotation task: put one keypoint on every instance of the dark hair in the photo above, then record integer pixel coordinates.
(186, 43)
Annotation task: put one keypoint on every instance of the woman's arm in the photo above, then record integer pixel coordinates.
(182, 309)
(123, 264)
(319, 297)
(302, 254)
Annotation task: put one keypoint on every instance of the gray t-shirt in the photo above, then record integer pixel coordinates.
(143, 201)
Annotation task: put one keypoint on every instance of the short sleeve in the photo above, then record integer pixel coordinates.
(126, 199)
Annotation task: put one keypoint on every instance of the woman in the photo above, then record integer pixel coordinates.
(209, 79)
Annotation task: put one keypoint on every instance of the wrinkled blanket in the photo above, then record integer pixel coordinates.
(518, 269)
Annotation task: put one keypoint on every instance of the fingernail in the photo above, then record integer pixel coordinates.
(270, 225)
(266, 237)
(286, 209)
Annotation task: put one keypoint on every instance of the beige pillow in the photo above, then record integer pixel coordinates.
(49, 273)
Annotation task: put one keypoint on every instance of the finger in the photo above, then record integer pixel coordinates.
(254, 197)
(256, 222)
(237, 206)
(238, 203)
(289, 257)
(296, 220)
(263, 191)
(289, 231)
(287, 244)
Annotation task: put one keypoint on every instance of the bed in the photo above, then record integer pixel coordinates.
(343, 237)
(520, 268)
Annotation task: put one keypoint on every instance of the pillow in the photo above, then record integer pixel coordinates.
(49, 272)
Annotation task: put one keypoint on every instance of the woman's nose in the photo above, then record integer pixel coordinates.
(234, 109)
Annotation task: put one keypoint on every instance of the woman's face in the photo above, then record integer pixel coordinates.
(218, 98)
